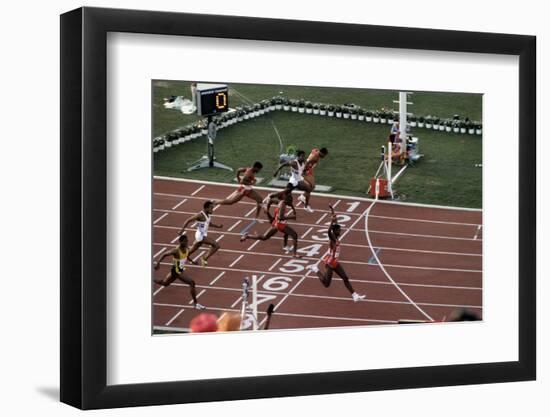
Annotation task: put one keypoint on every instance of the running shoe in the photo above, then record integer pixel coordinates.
(308, 209)
(203, 261)
(199, 306)
(288, 249)
(302, 198)
(356, 297)
(313, 268)
(243, 237)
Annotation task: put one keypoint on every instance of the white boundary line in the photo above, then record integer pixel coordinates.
(384, 269)
(399, 203)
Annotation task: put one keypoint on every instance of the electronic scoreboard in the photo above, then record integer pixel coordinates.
(211, 99)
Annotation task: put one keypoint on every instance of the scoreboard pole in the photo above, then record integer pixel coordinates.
(209, 104)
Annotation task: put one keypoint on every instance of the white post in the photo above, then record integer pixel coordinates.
(255, 302)
(403, 121)
(389, 168)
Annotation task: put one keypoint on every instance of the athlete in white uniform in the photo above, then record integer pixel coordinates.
(296, 179)
(296, 171)
(204, 221)
(202, 227)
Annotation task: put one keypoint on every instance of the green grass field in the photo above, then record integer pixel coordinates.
(446, 175)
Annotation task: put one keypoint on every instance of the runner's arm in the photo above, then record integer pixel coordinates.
(280, 167)
(164, 255)
(238, 174)
(188, 222)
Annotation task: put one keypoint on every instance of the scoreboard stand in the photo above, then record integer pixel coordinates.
(211, 99)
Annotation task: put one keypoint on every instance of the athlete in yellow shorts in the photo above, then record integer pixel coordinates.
(180, 257)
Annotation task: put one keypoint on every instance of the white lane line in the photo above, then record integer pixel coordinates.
(158, 290)
(293, 314)
(384, 269)
(159, 252)
(477, 232)
(336, 204)
(235, 261)
(254, 244)
(160, 218)
(220, 238)
(306, 232)
(405, 219)
(169, 322)
(250, 212)
(235, 225)
(370, 200)
(428, 268)
(357, 230)
(198, 295)
(275, 264)
(251, 271)
(221, 274)
(179, 204)
(321, 219)
(198, 190)
(353, 245)
(332, 297)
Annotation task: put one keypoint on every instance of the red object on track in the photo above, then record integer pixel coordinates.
(383, 191)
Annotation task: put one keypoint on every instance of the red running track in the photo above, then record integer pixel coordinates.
(431, 258)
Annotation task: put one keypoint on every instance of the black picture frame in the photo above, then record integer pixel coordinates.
(84, 207)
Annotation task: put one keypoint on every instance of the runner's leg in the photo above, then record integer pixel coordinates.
(340, 271)
(289, 231)
(232, 199)
(270, 232)
(189, 281)
(254, 195)
(214, 246)
(325, 277)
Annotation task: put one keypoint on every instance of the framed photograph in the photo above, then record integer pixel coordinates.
(258, 208)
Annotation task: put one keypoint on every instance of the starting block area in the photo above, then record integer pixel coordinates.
(433, 254)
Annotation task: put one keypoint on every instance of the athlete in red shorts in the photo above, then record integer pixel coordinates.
(312, 160)
(245, 188)
(330, 260)
(277, 197)
(279, 224)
